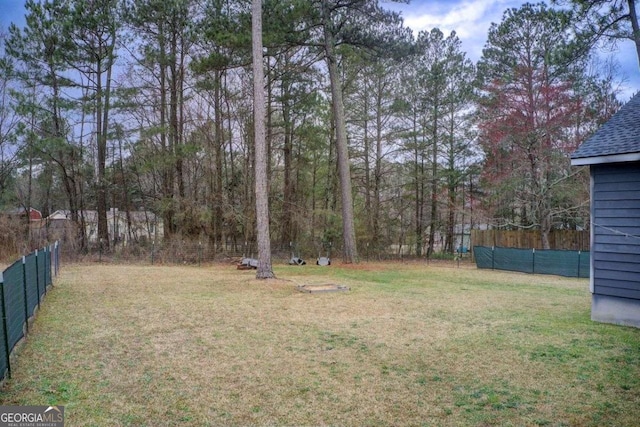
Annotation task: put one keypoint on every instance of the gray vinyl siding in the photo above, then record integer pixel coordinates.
(616, 229)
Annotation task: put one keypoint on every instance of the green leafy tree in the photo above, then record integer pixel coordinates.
(366, 25)
(433, 77)
(610, 21)
(410, 111)
(434, 112)
(458, 137)
(90, 35)
(161, 53)
(46, 100)
(9, 123)
(224, 45)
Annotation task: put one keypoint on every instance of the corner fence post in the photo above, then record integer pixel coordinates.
(533, 261)
(7, 352)
(24, 287)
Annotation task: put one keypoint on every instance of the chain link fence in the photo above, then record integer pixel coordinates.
(23, 286)
(195, 252)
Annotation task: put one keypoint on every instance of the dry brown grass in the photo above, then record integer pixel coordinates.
(409, 344)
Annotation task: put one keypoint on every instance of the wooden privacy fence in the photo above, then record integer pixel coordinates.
(575, 240)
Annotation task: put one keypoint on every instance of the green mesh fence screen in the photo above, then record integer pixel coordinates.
(33, 293)
(14, 302)
(41, 256)
(4, 350)
(22, 286)
(561, 263)
(47, 266)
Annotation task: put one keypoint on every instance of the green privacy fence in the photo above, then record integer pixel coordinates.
(22, 288)
(561, 263)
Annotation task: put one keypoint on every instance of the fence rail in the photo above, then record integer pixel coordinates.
(576, 240)
(23, 286)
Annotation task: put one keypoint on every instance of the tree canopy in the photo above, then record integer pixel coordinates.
(377, 141)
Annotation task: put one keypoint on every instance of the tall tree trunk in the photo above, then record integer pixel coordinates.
(288, 194)
(419, 188)
(377, 181)
(451, 187)
(350, 253)
(218, 153)
(166, 172)
(367, 161)
(175, 108)
(126, 202)
(101, 140)
(434, 183)
(633, 17)
(175, 148)
(265, 270)
(230, 171)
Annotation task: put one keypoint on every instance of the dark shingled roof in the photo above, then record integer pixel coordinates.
(620, 135)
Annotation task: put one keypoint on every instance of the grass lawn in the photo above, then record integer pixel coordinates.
(409, 344)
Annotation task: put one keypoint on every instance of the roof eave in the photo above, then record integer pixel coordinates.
(613, 158)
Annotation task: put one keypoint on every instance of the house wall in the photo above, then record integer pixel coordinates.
(615, 263)
(143, 225)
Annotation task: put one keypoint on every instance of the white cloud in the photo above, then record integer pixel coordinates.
(455, 17)
(469, 19)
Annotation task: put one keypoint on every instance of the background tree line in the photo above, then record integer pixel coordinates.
(378, 139)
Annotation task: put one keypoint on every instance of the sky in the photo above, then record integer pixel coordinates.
(11, 11)
(470, 19)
